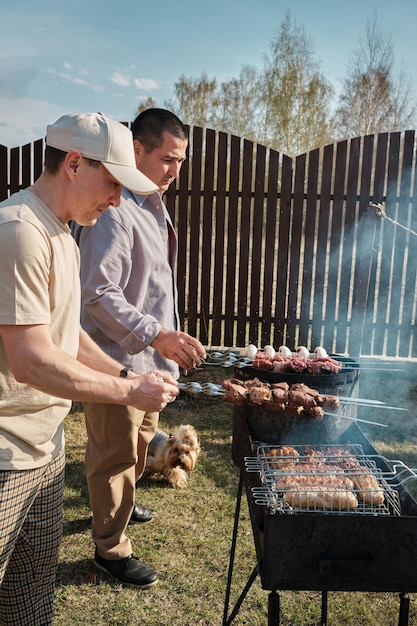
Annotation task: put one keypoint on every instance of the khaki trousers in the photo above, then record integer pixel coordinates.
(115, 458)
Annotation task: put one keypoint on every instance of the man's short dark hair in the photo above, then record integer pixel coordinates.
(150, 126)
(55, 157)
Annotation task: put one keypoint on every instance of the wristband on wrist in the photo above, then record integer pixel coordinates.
(124, 372)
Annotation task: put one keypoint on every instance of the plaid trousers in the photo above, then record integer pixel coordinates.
(30, 534)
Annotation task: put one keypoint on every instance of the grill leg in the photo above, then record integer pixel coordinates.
(233, 550)
(273, 609)
(323, 608)
(404, 609)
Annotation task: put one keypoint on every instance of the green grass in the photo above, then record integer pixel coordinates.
(188, 542)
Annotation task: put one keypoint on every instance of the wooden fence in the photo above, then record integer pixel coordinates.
(289, 251)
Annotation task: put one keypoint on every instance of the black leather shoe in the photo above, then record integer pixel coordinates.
(141, 514)
(129, 570)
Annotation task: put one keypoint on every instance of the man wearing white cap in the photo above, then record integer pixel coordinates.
(46, 360)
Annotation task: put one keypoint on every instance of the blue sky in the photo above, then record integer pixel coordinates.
(85, 55)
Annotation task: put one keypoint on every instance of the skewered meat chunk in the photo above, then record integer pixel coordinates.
(315, 412)
(236, 392)
(259, 394)
(332, 403)
(275, 403)
(255, 382)
(263, 363)
(279, 397)
(295, 400)
(294, 409)
(280, 391)
(301, 387)
(300, 398)
(280, 366)
(326, 364)
(298, 364)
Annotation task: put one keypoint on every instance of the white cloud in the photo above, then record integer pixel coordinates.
(72, 77)
(57, 74)
(67, 65)
(123, 80)
(27, 119)
(146, 84)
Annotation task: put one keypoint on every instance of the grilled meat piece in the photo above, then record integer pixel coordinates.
(284, 456)
(363, 478)
(236, 392)
(317, 497)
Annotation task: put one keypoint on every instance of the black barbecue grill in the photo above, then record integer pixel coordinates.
(372, 548)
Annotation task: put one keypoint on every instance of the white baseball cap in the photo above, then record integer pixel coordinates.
(99, 138)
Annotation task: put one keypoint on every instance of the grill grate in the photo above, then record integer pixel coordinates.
(325, 478)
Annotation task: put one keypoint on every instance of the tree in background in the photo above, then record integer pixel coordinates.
(288, 103)
(195, 101)
(149, 103)
(373, 98)
(240, 107)
(284, 105)
(296, 95)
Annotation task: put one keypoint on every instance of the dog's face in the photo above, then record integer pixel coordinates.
(182, 449)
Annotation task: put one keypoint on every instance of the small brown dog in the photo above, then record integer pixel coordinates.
(173, 455)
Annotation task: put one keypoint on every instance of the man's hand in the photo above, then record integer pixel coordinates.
(152, 391)
(180, 347)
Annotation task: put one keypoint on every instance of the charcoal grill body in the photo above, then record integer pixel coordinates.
(318, 551)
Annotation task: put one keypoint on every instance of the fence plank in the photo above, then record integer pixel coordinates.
(194, 241)
(38, 158)
(409, 273)
(280, 324)
(361, 293)
(336, 298)
(257, 242)
(181, 223)
(4, 170)
(14, 184)
(219, 244)
(309, 241)
(378, 292)
(245, 220)
(270, 287)
(321, 253)
(363, 250)
(206, 250)
(396, 261)
(297, 226)
(232, 239)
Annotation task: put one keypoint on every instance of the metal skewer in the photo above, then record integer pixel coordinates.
(371, 404)
(355, 419)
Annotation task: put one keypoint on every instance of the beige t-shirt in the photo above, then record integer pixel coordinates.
(39, 284)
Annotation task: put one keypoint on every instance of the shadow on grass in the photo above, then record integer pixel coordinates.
(76, 573)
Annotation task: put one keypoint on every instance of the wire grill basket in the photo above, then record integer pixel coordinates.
(326, 479)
